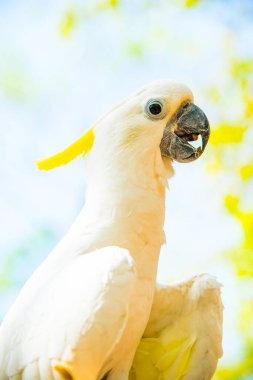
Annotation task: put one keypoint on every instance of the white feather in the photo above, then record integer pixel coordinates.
(49, 322)
(190, 310)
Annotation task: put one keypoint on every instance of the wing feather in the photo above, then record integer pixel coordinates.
(182, 340)
(76, 321)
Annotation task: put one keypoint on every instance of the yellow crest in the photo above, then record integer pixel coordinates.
(81, 146)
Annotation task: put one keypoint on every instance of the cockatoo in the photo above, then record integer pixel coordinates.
(83, 312)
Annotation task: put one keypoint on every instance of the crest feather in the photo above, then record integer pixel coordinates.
(81, 146)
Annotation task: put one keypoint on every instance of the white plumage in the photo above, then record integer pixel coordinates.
(83, 312)
(183, 336)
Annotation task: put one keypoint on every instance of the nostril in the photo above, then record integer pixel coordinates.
(185, 105)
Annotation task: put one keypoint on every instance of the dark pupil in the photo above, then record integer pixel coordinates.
(155, 108)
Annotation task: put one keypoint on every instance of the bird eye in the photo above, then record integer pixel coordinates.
(154, 108)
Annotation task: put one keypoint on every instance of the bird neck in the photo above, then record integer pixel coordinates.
(125, 205)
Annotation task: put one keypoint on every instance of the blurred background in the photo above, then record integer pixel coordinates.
(62, 64)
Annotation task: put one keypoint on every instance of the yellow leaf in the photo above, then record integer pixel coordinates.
(241, 68)
(248, 103)
(227, 134)
(246, 172)
(103, 5)
(68, 23)
(191, 3)
(242, 259)
(246, 219)
(246, 317)
(231, 203)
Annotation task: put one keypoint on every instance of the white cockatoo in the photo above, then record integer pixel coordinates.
(83, 312)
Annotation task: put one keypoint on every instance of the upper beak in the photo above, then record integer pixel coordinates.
(187, 125)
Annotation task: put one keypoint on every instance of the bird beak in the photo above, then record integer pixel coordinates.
(186, 135)
(80, 147)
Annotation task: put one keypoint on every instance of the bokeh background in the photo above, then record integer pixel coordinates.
(62, 64)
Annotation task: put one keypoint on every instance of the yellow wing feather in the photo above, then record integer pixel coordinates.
(159, 360)
(182, 340)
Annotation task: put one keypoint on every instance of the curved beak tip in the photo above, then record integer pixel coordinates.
(188, 140)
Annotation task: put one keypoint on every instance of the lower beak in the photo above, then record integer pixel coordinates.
(186, 135)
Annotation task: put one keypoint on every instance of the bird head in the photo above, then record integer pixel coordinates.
(160, 117)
